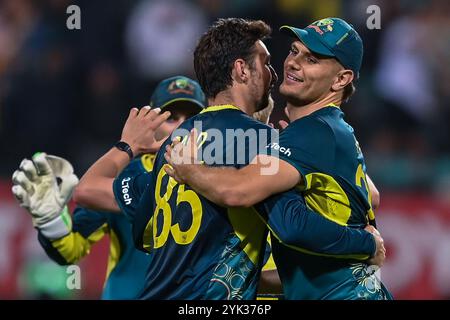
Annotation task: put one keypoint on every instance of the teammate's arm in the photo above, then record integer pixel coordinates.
(230, 187)
(88, 228)
(301, 229)
(375, 194)
(95, 190)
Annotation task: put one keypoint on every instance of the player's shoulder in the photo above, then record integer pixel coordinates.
(225, 119)
(241, 120)
(315, 124)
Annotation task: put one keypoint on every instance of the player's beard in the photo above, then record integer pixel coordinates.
(261, 104)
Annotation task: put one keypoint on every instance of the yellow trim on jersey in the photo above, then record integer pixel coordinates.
(219, 108)
(74, 246)
(148, 160)
(270, 296)
(250, 230)
(325, 196)
(270, 264)
(114, 253)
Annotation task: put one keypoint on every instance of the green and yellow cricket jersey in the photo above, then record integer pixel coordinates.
(324, 150)
(199, 249)
(127, 266)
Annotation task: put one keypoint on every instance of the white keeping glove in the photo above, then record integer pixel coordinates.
(43, 186)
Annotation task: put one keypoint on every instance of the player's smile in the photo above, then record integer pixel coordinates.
(290, 78)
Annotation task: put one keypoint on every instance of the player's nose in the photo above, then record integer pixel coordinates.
(292, 64)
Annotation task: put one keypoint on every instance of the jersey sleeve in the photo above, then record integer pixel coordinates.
(142, 228)
(313, 148)
(88, 227)
(294, 225)
(128, 189)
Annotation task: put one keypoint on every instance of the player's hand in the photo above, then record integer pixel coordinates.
(283, 124)
(181, 157)
(43, 186)
(139, 129)
(380, 252)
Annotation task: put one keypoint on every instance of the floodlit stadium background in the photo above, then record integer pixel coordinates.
(67, 92)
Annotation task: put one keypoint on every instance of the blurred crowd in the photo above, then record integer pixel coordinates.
(68, 92)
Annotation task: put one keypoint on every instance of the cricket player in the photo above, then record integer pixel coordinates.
(317, 153)
(201, 250)
(68, 239)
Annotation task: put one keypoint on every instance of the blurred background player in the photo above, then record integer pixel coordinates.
(318, 153)
(68, 239)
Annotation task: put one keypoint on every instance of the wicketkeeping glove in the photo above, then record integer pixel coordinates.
(43, 186)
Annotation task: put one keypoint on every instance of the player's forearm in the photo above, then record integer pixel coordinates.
(214, 183)
(95, 188)
(328, 239)
(297, 226)
(67, 250)
(375, 194)
(226, 186)
(88, 228)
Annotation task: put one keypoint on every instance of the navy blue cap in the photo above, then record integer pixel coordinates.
(332, 37)
(177, 89)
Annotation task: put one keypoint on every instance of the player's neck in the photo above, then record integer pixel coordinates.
(296, 111)
(234, 98)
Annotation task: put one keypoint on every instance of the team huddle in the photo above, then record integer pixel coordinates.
(202, 199)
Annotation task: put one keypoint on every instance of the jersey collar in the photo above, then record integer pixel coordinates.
(220, 108)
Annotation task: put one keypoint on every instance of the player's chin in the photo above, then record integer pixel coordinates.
(263, 102)
(288, 90)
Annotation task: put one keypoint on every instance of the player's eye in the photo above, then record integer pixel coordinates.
(311, 60)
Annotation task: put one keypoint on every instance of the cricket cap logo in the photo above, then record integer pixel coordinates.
(180, 86)
(322, 26)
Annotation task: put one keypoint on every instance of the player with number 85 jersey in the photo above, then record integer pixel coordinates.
(205, 250)
(319, 156)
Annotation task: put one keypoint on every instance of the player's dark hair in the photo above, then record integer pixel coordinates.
(224, 42)
(349, 90)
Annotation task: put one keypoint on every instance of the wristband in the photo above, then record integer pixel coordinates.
(125, 147)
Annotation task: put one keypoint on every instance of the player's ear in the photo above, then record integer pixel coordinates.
(343, 78)
(240, 71)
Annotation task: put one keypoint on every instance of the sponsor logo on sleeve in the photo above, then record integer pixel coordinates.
(125, 189)
(277, 147)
